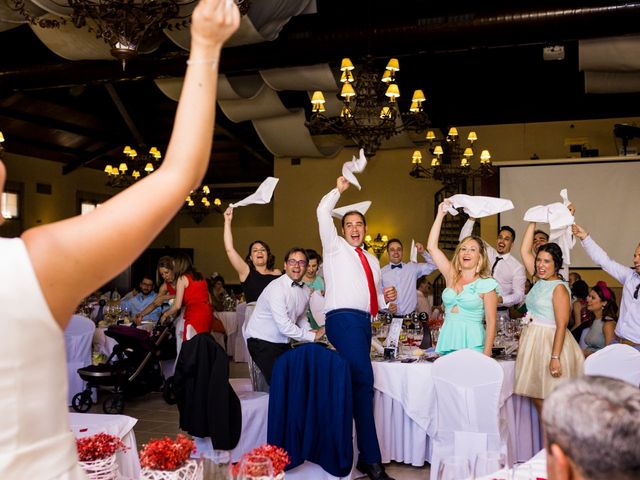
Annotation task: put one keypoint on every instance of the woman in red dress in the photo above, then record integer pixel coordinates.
(192, 292)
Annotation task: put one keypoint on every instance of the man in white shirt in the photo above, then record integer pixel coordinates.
(403, 276)
(280, 306)
(353, 294)
(507, 271)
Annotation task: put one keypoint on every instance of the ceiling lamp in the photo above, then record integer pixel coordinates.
(132, 167)
(370, 111)
(376, 245)
(451, 159)
(198, 205)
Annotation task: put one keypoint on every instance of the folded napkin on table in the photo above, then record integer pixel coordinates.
(478, 206)
(262, 195)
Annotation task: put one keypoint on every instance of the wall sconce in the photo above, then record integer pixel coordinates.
(376, 245)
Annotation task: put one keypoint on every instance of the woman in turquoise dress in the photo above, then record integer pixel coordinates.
(547, 353)
(471, 294)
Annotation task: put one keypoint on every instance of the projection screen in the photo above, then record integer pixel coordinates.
(605, 193)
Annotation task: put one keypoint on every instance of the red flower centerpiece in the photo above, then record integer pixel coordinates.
(97, 455)
(166, 458)
(278, 456)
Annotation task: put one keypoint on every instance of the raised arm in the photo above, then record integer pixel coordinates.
(599, 256)
(94, 248)
(439, 258)
(528, 259)
(237, 262)
(328, 232)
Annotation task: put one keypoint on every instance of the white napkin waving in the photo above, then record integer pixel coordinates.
(355, 165)
(262, 195)
(413, 252)
(361, 207)
(560, 220)
(478, 206)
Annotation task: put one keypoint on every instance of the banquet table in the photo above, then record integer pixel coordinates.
(86, 424)
(405, 411)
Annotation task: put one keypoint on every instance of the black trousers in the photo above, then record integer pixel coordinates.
(264, 354)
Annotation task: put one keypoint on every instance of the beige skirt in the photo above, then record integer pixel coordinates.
(533, 378)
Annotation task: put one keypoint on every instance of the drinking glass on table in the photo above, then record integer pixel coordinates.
(255, 467)
(489, 463)
(454, 468)
(521, 471)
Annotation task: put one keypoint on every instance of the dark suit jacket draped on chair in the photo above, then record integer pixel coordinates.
(208, 405)
(310, 408)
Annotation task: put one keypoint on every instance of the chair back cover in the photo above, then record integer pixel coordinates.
(467, 385)
(310, 408)
(78, 339)
(615, 361)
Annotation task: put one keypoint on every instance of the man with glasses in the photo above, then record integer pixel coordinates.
(280, 307)
(628, 326)
(137, 300)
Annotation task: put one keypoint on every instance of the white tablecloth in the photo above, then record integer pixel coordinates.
(405, 411)
(536, 467)
(86, 424)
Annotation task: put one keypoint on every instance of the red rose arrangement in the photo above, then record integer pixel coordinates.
(165, 453)
(279, 458)
(98, 447)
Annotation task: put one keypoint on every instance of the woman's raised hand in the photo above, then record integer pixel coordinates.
(213, 22)
(228, 214)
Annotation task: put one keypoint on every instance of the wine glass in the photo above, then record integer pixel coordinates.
(454, 468)
(256, 467)
(489, 462)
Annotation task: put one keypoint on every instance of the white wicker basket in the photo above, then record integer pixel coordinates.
(104, 469)
(191, 470)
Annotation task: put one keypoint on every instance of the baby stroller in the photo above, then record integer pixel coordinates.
(132, 369)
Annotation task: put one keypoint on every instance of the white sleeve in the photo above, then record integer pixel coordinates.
(328, 233)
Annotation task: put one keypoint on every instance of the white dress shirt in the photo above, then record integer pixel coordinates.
(279, 308)
(628, 326)
(346, 282)
(509, 272)
(404, 279)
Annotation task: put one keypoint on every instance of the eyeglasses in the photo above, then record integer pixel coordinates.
(635, 294)
(292, 263)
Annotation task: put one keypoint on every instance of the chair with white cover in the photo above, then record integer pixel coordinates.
(615, 361)
(78, 340)
(467, 385)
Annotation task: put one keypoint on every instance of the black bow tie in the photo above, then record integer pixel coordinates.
(296, 284)
(397, 265)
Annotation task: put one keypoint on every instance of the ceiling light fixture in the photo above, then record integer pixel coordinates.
(370, 111)
(131, 168)
(198, 205)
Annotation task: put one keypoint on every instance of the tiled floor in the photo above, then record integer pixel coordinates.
(156, 419)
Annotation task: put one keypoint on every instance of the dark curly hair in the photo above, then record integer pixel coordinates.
(271, 259)
(556, 254)
(580, 289)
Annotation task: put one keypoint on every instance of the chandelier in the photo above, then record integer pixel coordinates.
(126, 25)
(451, 159)
(370, 111)
(198, 205)
(132, 166)
(1, 147)
(376, 245)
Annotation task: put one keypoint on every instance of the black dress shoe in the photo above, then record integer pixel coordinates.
(375, 471)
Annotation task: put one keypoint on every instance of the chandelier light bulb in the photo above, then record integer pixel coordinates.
(472, 137)
(416, 157)
(393, 65)
(430, 136)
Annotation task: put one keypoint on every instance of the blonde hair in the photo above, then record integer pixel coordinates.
(482, 269)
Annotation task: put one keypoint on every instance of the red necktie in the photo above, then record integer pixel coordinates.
(373, 296)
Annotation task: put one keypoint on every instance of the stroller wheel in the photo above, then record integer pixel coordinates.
(81, 402)
(168, 393)
(113, 404)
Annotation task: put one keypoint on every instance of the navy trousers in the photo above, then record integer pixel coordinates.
(350, 332)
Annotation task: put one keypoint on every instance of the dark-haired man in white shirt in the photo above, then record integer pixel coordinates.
(281, 305)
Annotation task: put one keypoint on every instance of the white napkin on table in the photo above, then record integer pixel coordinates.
(478, 206)
(361, 207)
(355, 165)
(262, 195)
(560, 220)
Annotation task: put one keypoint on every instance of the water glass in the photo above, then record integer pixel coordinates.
(256, 467)
(454, 468)
(521, 471)
(489, 462)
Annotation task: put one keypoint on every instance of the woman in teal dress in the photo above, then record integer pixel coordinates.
(547, 353)
(471, 294)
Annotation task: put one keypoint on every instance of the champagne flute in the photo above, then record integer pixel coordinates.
(454, 468)
(489, 463)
